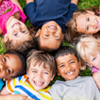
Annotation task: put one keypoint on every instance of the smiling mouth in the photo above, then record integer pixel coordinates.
(52, 27)
(70, 73)
(38, 83)
(17, 23)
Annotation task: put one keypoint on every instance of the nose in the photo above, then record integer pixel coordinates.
(1, 67)
(91, 24)
(39, 75)
(67, 68)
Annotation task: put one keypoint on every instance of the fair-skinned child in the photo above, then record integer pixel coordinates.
(74, 87)
(88, 48)
(12, 64)
(83, 22)
(50, 17)
(12, 27)
(40, 71)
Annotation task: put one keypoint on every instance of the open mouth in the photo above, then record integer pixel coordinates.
(38, 83)
(17, 23)
(70, 73)
(52, 27)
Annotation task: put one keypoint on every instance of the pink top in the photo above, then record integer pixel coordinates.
(7, 9)
(94, 69)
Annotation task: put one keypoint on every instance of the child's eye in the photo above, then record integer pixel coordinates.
(15, 34)
(72, 62)
(23, 31)
(87, 28)
(94, 58)
(62, 66)
(88, 19)
(8, 71)
(46, 73)
(4, 59)
(46, 35)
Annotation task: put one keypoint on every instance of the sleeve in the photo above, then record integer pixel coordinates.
(30, 11)
(55, 92)
(97, 92)
(10, 84)
(71, 10)
(1, 84)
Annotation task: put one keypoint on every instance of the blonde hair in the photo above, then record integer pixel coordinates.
(87, 45)
(72, 32)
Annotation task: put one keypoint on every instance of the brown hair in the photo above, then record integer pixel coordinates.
(72, 33)
(25, 46)
(41, 57)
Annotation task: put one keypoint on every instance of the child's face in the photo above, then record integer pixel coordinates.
(50, 35)
(39, 76)
(94, 61)
(68, 66)
(17, 32)
(88, 23)
(10, 64)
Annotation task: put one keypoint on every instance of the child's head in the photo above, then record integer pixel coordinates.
(49, 37)
(18, 36)
(83, 22)
(88, 48)
(68, 63)
(40, 69)
(12, 64)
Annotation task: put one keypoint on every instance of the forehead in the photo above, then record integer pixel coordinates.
(66, 58)
(37, 64)
(50, 42)
(81, 23)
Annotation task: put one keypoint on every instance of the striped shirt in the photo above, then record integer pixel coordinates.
(21, 85)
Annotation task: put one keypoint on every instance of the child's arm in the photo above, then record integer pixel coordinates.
(17, 3)
(28, 1)
(96, 77)
(1, 31)
(0, 1)
(74, 1)
(5, 95)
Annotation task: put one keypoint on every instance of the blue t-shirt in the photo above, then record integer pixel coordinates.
(42, 11)
(1, 84)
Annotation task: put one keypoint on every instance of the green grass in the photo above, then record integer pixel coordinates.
(82, 4)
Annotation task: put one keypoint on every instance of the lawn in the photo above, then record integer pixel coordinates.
(82, 4)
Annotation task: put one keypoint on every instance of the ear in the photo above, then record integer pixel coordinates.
(52, 78)
(38, 33)
(5, 38)
(27, 73)
(58, 73)
(62, 36)
(79, 63)
(91, 12)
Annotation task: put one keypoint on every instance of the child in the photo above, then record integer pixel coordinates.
(83, 22)
(88, 48)
(51, 16)
(40, 71)
(74, 87)
(12, 64)
(15, 32)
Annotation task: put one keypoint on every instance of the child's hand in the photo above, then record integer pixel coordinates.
(0, 1)
(74, 1)
(18, 97)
